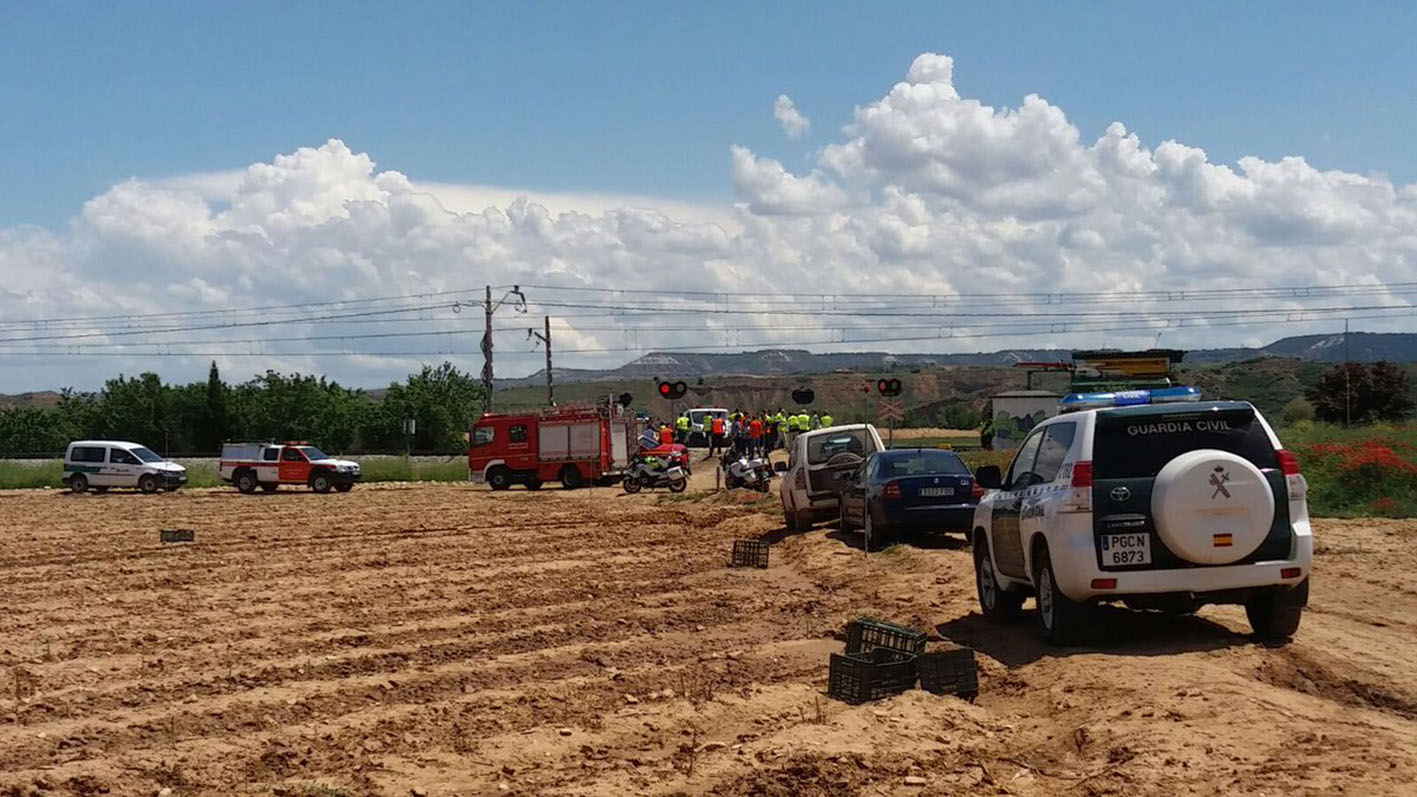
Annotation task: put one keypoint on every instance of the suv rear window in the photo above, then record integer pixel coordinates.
(1140, 445)
(825, 446)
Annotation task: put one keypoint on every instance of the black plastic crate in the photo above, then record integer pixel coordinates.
(863, 677)
(864, 636)
(177, 535)
(750, 553)
(949, 672)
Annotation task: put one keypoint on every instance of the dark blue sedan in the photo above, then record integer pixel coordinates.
(902, 492)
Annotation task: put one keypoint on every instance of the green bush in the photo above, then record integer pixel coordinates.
(1298, 410)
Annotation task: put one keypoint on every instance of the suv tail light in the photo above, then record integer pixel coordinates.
(975, 491)
(892, 492)
(1082, 475)
(1294, 480)
(1080, 499)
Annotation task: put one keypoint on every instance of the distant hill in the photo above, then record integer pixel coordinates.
(19, 401)
(1362, 346)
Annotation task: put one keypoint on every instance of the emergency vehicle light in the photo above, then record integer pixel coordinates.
(1128, 398)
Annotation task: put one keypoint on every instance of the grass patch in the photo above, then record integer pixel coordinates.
(31, 474)
(36, 474)
(1359, 471)
(404, 469)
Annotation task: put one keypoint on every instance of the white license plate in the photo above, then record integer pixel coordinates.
(1120, 550)
(932, 492)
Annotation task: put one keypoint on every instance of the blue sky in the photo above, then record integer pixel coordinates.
(647, 98)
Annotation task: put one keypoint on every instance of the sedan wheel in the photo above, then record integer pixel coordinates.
(875, 537)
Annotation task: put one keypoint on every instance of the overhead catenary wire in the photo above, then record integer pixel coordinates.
(1186, 322)
(778, 298)
(1060, 328)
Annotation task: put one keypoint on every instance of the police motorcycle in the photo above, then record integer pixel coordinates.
(650, 472)
(739, 470)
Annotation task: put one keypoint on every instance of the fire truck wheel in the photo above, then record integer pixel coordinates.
(499, 478)
(246, 480)
(269, 487)
(534, 484)
(320, 482)
(571, 478)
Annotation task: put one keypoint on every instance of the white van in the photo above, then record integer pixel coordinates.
(101, 464)
(699, 418)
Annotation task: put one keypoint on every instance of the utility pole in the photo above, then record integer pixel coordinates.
(489, 308)
(546, 338)
(1347, 380)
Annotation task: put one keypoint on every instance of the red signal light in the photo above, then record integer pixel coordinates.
(665, 389)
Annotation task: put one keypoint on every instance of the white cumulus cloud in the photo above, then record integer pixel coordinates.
(924, 193)
(793, 123)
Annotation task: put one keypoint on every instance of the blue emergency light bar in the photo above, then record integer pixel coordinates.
(1128, 398)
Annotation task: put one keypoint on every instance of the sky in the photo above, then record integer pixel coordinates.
(172, 157)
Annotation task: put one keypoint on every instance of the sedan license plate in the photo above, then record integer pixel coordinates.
(1122, 550)
(932, 492)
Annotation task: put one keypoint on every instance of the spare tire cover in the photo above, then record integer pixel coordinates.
(1211, 507)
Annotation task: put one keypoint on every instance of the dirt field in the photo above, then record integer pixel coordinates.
(446, 640)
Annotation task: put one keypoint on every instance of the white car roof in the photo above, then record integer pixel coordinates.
(118, 443)
(846, 427)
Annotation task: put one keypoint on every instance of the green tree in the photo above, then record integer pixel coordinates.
(216, 422)
(1365, 394)
(443, 401)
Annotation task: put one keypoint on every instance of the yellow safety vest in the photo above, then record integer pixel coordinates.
(826, 421)
(682, 423)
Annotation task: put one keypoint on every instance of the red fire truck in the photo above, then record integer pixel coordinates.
(574, 445)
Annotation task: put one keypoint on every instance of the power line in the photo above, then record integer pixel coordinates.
(1059, 330)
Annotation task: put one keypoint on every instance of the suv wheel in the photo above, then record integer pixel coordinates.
(149, 483)
(246, 481)
(995, 603)
(321, 482)
(1061, 618)
(1274, 614)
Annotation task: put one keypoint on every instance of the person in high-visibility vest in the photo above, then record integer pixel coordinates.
(666, 435)
(826, 420)
(681, 428)
(715, 426)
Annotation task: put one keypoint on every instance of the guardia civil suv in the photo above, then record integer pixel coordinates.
(1152, 498)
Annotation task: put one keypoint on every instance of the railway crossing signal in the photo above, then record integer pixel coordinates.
(803, 396)
(892, 410)
(672, 390)
(888, 387)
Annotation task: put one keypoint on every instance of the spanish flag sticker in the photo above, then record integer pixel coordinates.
(1223, 540)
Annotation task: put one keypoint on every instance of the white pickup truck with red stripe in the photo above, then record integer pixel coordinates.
(266, 466)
